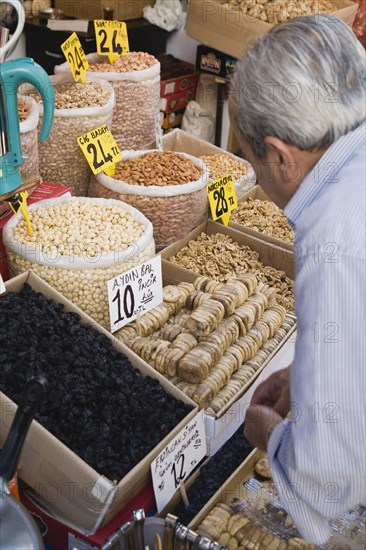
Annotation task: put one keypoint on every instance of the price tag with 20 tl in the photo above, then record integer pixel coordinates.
(112, 38)
(100, 149)
(222, 198)
(76, 58)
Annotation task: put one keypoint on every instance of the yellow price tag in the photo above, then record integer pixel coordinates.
(112, 38)
(100, 149)
(222, 198)
(76, 58)
(20, 205)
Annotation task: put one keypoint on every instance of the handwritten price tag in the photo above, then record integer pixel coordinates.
(135, 291)
(100, 149)
(76, 58)
(178, 459)
(2, 286)
(112, 38)
(222, 198)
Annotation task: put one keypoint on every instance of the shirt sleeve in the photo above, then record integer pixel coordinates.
(318, 457)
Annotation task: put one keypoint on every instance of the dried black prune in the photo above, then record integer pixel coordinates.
(98, 404)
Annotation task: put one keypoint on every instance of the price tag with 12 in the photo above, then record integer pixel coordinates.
(76, 58)
(100, 149)
(179, 458)
(111, 38)
(135, 292)
(222, 198)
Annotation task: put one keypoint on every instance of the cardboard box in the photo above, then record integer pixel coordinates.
(92, 9)
(45, 190)
(212, 61)
(70, 488)
(231, 32)
(176, 101)
(258, 193)
(176, 75)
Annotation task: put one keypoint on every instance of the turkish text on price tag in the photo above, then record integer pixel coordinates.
(111, 38)
(76, 58)
(2, 286)
(134, 292)
(178, 459)
(222, 198)
(100, 149)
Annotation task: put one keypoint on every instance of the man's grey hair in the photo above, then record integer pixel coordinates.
(304, 82)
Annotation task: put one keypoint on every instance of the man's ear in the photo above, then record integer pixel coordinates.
(279, 151)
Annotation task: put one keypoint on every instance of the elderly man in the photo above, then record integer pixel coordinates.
(298, 106)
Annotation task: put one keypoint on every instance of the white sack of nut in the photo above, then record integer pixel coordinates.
(276, 11)
(79, 108)
(219, 257)
(167, 187)
(208, 338)
(222, 164)
(265, 217)
(135, 78)
(78, 245)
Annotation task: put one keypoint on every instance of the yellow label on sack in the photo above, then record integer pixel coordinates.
(100, 149)
(76, 58)
(112, 38)
(222, 198)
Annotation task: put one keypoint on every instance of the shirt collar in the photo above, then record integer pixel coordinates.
(324, 172)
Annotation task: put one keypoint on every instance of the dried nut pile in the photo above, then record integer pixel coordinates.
(209, 339)
(238, 532)
(263, 216)
(76, 95)
(137, 102)
(219, 257)
(61, 160)
(133, 61)
(23, 110)
(220, 165)
(158, 168)
(276, 11)
(85, 232)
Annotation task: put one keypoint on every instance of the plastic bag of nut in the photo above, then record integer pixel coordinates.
(79, 109)
(135, 78)
(78, 245)
(155, 186)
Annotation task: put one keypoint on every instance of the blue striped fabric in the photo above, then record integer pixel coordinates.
(318, 458)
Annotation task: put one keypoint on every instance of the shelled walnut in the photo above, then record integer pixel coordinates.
(276, 11)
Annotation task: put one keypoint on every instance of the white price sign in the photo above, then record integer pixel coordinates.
(2, 286)
(133, 292)
(178, 459)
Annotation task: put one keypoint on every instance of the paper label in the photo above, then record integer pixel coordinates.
(178, 459)
(76, 58)
(2, 286)
(134, 292)
(111, 38)
(222, 198)
(100, 149)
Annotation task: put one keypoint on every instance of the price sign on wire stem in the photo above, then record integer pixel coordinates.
(134, 293)
(222, 198)
(76, 58)
(178, 459)
(111, 38)
(100, 149)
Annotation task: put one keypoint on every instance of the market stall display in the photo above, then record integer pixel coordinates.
(221, 164)
(210, 339)
(79, 108)
(135, 78)
(167, 187)
(78, 245)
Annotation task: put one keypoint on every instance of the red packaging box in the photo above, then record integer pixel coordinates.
(176, 75)
(45, 190)
(59, 536)
(175, 102)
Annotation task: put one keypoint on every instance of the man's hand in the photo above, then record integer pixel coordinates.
(275, 392)
(259, 421)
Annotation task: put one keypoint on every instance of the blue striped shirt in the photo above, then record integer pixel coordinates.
(318, 458)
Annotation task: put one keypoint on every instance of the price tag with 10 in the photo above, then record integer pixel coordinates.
(178, 460)
(222, 198)
(134, 292)
(100, 149)
(76, 58)
(112, 38)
